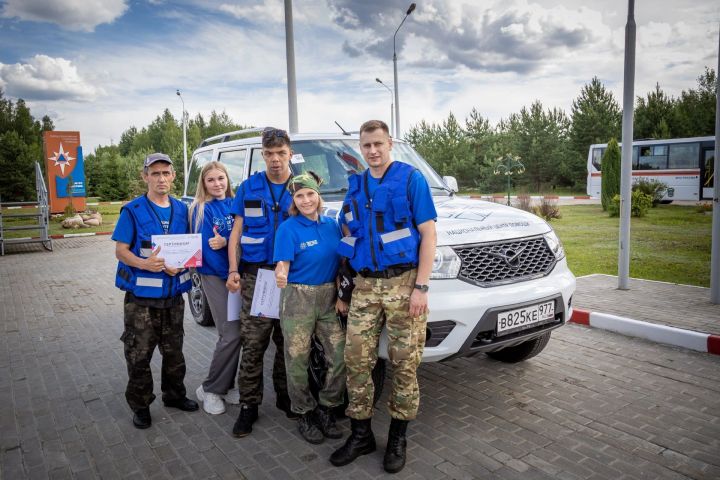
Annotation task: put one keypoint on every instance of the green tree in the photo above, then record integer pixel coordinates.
(610, 181)
(540, 139)
(695, 109)
(595, 117)
(655, 116)
(20, 148)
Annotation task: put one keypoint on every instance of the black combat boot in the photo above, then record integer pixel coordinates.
(360, 442)
(309, 429)
(142, 418)
(394, 460)
(326, 422)
(243, 424)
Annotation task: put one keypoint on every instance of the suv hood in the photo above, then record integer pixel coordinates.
(467, 221)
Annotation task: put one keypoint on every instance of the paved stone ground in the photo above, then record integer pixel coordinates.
(682, 306)
(593, 405)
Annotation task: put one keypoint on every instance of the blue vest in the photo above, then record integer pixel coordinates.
(146, 222)
(261, 216)
(382, 231)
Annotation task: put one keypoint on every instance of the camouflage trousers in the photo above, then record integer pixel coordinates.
(255, 334)
(375, 302)
(146, 328)
(306, 310)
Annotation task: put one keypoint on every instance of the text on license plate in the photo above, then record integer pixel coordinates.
(522, 317)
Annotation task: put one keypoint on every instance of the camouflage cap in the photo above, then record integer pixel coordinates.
(304, 180)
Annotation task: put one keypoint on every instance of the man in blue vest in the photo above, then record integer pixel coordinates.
(389, 218)
(153, 306)
(260, 206)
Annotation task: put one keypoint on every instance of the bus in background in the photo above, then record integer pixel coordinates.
(685, 165)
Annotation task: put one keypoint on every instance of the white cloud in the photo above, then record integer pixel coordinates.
(76, 15)
(270, 10)
(46, 78)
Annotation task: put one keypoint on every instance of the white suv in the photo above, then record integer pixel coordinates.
(500, 282)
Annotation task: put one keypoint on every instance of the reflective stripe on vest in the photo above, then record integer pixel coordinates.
(395, 235)
(149, 282)
(251, 240)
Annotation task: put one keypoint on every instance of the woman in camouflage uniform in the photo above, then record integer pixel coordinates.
(307, 265)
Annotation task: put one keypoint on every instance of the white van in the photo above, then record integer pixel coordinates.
(500, 282)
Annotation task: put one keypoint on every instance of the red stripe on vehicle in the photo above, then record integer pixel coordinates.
(580, 316)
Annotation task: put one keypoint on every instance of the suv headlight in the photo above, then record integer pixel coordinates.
(446, 263)
(555, 244)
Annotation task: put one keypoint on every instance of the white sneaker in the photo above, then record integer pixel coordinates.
(232, 396)
(212, 402)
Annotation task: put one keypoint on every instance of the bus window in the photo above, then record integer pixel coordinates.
(652, 157)
(684, 155)
(597, 157)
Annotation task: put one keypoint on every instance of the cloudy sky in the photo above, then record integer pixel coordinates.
(100, 66)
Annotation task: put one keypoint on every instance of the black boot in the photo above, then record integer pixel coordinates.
(360, 442)
(142, 418)
(394, 460)
(326, 422)
(308, 428)
(243, 425)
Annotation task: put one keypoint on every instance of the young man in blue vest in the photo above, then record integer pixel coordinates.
(154, 306)
(389, 219)
(260, 206)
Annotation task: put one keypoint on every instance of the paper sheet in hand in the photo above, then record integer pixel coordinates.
(234, 306)
(179, 251)
(266, 298)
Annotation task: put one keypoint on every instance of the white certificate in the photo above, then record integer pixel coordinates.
(234, 306)
(266, 298)
(179, 251)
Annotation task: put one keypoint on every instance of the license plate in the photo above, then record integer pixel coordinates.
(525, 317)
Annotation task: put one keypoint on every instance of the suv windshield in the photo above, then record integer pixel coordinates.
(335, 160)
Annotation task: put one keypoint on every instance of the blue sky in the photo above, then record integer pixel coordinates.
(100, 66)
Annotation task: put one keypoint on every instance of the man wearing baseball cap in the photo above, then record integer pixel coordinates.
(153, 306)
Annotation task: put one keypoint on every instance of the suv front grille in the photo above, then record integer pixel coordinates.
(498, 263)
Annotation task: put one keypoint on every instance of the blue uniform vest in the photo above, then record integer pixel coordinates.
(382, 231)
(262, 214)
(146, 222)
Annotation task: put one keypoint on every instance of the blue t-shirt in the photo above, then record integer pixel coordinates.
(125, 230)
(216, 215)
(278, 190)
(423, 207)
(310, 247)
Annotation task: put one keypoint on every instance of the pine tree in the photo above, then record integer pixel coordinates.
(610, 165)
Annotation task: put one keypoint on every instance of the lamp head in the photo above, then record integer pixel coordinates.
(410, 10)
(178, 93)
(378, 80)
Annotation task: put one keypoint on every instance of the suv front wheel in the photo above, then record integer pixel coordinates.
(199, 306)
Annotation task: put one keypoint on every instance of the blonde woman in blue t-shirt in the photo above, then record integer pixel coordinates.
(210, 216)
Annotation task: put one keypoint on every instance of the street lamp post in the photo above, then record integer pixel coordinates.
(508, 165)
(184, 120)
(397, 96)
(392, 121)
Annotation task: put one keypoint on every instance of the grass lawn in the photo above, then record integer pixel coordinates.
(671, 243)
(110, 214)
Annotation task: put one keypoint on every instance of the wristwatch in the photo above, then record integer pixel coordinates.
(422, 288)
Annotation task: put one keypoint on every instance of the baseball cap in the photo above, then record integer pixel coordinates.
(157, 157)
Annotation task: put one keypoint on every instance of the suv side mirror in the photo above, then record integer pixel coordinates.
(451, 183)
